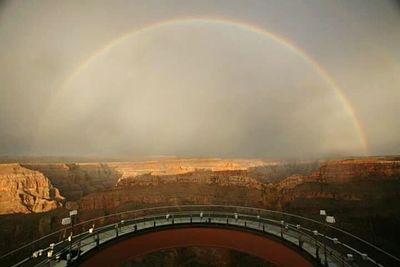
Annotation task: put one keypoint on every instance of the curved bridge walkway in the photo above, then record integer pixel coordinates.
(324, 245)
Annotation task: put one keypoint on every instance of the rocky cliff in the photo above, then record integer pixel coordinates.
(75, 180)
(180, 166)
(362, 193)
(25, 191)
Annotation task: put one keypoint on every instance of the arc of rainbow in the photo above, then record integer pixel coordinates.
(242, 25)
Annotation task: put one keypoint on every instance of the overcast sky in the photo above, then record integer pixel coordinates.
(199, 87)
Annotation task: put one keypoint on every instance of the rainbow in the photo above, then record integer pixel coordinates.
(242, 25)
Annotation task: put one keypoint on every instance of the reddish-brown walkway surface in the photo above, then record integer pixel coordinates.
(269, 250)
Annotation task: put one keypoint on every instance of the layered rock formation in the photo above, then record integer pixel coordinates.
(180, 166)
(75, 180)
(362, 193)
(25, 191)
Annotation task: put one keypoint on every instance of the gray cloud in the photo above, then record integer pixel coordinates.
(197, 89)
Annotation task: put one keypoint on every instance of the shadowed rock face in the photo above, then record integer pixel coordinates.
(362, 193)
(77, 180)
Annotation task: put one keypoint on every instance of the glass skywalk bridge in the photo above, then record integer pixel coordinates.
(319, 243)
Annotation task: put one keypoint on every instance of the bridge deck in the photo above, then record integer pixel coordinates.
(302, 234)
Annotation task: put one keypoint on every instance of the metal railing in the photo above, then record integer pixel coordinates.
(326, 244)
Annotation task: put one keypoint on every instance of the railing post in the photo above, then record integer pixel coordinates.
(315, 233)
(70, 249)
(79, 249)
(50, 254)
(97, 239)
(326, 257)
(301, 242)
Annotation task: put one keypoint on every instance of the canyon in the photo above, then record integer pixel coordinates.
(362, 193)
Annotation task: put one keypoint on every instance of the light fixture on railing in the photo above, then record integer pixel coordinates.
(286, 227)
(49, 253)
(364, 256)
(66, 221)
(350, 257)
(330, 219)
(73, 213)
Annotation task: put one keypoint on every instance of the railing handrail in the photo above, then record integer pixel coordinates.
(204, 206)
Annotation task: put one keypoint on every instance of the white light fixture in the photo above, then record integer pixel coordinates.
(335, 240)
(350, 257)
(330, 219)
(73, 212)
(322, 212)
(315, 232)
(66, 221)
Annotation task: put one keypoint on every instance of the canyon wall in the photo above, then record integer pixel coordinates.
(75, 180)
(363, 194)
(26, 191)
